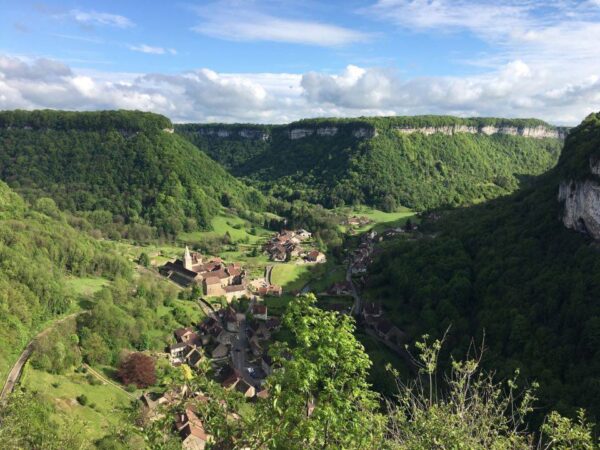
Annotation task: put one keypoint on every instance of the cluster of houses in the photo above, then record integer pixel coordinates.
(217, 279)
(286, 245)
(186, 421)
(222, 336)
(363, 255)
(384, 328)
(236, 345)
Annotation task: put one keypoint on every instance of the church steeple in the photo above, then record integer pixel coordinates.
(187, 259)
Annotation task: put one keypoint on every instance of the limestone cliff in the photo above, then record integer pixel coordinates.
(579, 185)
(581, 199)
(539, 132)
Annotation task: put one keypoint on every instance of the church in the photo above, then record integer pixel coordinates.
(217, 278)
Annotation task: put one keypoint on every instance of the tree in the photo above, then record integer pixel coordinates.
(29, 421)
(472, 411)
(144, 259)
(138, 369)
(319, 396)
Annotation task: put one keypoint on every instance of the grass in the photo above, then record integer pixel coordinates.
(86, 286)
(332, 274)
(103, 410)
(238, 228)
(83, 288)
(380, 220)
(292, 277)
(158, 253)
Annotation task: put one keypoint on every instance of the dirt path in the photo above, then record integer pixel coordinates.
(15, 373)
(268, 271)
(107, 381)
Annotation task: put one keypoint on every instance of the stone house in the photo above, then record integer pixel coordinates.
(191, 430)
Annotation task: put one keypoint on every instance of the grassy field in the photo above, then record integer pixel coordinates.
(158, 253)
(329, 274)
(86, 286)
(239, 229)
(103, 410)
(292, 277)
(380, 220)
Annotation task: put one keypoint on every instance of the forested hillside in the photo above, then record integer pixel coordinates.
(37, 250)
(117, 166)
(509, 269)
(419, 162)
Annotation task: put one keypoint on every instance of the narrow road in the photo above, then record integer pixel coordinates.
(15, 373)
(107, 381)
(239, 350)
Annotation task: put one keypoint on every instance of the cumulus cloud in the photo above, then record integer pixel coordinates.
(515, 89)
(224, 20)
(143, 48)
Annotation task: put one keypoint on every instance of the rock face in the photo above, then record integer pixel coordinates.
(538, 132)
(256, 135)
(299, 133)
(581, 199)
(364, 133)
(327, 131)
(245, 133)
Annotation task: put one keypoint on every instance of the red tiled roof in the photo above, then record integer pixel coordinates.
(212, 280)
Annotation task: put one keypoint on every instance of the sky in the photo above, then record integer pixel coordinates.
(272, 61)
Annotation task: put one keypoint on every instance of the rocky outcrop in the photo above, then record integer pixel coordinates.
(327, 131)
(581, 203)
(256, 135)
(364, 133)
(359, 133)
(299, 133)
(245, 133)
(538, 132)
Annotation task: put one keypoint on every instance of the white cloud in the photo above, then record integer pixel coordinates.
(232, 22)
(143, 48)
(515, 89)
(99, 18)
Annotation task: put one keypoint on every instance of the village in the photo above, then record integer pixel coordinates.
(237, 332)
(235, 336)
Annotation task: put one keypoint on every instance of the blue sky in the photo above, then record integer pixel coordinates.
(275, 61)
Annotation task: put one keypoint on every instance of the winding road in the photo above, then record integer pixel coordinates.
(15, 373)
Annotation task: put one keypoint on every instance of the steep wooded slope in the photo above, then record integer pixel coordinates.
(510, 267)
(125, 162)
(419, 162)
(37, 250)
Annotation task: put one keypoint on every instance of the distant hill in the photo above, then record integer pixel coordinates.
(37, 250)
(127, 163)
(420, 162)
(513, 269)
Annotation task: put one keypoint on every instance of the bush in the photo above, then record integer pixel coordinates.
(82, 399)
(144, 259)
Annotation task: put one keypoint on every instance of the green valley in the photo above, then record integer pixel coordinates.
(421, 162)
